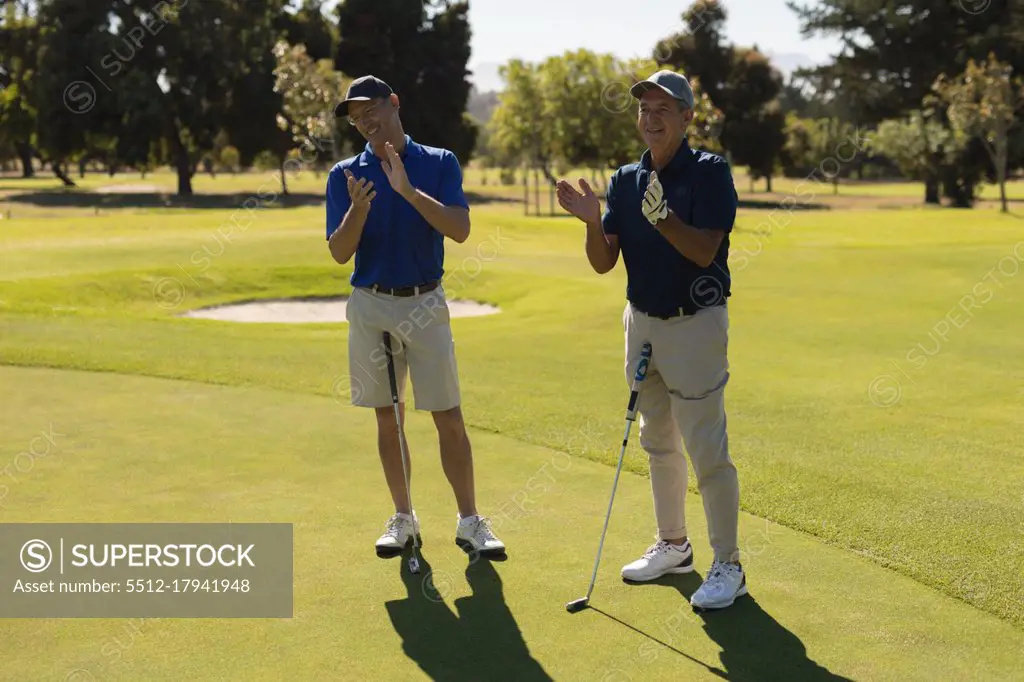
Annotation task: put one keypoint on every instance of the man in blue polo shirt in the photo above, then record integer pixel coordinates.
(391, 207)
(670, 215)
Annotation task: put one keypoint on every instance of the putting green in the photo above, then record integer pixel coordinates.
(874, 414)
(143, 449)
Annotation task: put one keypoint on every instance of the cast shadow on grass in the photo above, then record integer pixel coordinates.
(743, 203)
(767, 204)
(486, 198)
(267, 198)
(754, 645)
(479, 640)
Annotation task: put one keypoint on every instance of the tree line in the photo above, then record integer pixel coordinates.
(924, 89)
(218, 83)
(928, 89)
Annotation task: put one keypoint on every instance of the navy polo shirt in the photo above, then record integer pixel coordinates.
(700, 191)
(398, 247)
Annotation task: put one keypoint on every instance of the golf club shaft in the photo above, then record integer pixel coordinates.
(631, 409)
(398, 423)
(608, 515)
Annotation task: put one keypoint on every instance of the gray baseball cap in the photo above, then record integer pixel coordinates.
(670, 82)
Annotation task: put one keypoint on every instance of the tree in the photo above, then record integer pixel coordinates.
(824, 146)
(892, 54)
(575, 110)
(701, 49)
(740, 81)
(186, 60)
(72, 35)
(309, 92)
(521, 128)
(982, 103)
(308, 26)
(799, 98)
(920, 146)
(19, 35)
(754, 128)
(421, 49)
(254, 118)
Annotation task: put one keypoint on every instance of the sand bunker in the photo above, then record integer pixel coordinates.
(311, 311)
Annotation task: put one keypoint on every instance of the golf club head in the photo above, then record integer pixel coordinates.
(577, 605)
(414, 565)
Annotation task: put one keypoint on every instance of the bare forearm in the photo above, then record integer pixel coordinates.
(345, 240)
(451, 221)
(600, 253)
(700, 246)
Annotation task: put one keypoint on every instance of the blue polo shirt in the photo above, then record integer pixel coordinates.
(700, 191)
(398, 247)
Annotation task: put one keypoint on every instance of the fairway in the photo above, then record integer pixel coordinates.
(874, 413)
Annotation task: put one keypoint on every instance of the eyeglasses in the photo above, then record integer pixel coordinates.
(659, 110)
(358, 120)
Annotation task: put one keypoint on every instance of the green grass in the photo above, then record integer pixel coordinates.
(868, 188)
(883, 541)
(259, 455)
(489, 179)
(479, 180)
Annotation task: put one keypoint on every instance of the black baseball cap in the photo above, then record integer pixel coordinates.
(363, 90)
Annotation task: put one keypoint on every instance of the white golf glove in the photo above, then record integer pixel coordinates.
(655, 207)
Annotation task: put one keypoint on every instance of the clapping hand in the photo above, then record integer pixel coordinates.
(585, 206)
(395, 170)
(361, 192)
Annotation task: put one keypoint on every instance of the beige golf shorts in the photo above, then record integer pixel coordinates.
(421, 344)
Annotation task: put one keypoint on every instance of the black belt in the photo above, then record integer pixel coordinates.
(406, 291)
(681, 311)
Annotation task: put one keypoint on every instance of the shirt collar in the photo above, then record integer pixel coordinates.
(678, 162)
(368, 158)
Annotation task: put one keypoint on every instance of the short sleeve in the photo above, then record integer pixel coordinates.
(338, 200)
(451, 193)
(610, 219)
(716, 202)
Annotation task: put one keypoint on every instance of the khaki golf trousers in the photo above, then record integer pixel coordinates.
(682, 401)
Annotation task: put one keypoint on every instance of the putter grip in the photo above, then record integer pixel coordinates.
(641, 374)
(391, 367)
(645, 361)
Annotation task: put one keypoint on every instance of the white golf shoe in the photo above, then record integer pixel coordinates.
(659, 559)
(399, 532)
(725, 582)
(474, 534)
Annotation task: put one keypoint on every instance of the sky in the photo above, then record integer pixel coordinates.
(536, 29)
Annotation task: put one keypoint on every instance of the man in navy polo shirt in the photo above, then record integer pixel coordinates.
(670, 215)
(392, 207)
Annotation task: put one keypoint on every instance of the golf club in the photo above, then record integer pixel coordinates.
(577, 605)
(414, 562)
